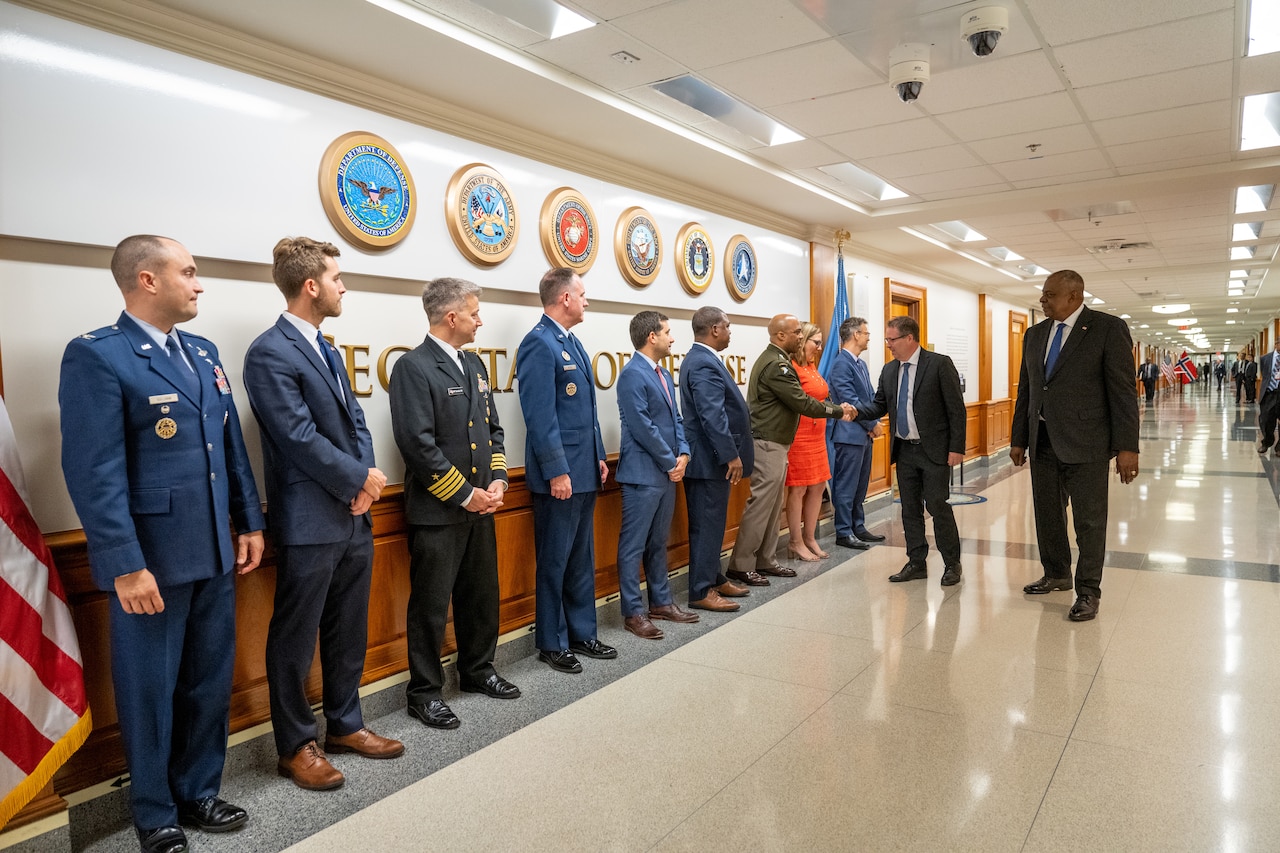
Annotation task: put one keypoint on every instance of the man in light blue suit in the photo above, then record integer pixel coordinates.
(564, 465)
(321, 481)
(850, 382)
(156, 466)
(652, 460)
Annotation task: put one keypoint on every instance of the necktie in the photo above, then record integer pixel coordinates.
(1054, 349)
(328, 359)
(184, 369)
(663, 382)
(903, 390)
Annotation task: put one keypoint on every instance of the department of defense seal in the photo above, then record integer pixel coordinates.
(567, 226)
(697, 262)
(637, 246)
(366, 191)
(740, 269)
(481, 215)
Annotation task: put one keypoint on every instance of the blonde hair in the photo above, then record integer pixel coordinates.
(807, 331)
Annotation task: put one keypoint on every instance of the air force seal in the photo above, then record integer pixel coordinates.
(740, 270)
(481, 215)
(567, 226)
(697, 262)
(366, 192)
(637, 246)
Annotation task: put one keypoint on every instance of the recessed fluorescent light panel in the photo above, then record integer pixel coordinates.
(1254, 199)
(726, 109)
(545, 17)
(1260, 127)
(874, 188)
(1264, 27)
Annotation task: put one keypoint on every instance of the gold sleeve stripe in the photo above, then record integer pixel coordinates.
(448, 485)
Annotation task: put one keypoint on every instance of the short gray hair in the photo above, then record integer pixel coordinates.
(442, 295)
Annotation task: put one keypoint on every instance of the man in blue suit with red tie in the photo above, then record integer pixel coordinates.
(156, 466)
(652, 460)
(321, 481)
(851, 383)
(564, 466)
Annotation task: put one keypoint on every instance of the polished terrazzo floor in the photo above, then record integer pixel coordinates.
(847, 713)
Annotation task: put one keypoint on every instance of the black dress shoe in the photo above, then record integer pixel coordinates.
(851, 542)
(910, 572)
(212, 814)
(868, 536)
(1047, 584)
(166, 839)
(495, 685)
(951, 574)
(561, 661)
(593, 649)
(434, 713)
(1085, 608)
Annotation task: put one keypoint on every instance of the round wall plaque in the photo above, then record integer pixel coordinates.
(366, 191)
(567, 227)
(481, 215)
(637, 245)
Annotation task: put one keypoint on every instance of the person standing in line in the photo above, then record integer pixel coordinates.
(776, 401)
(851, 383)
(321, 480)
(718, 429)
(447, 430)
(564, 469)
(1075, 411)
(653, 458)
(920, 391)
(156, 467)
(808, 469)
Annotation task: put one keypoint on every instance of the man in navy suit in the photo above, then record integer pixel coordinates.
(1076, 410)
(447, 429)
(920, 391)
(156, 466)
(850, 383)
(564, 464)
(1269, 403)
(718, 428)
(652, 459)
(321, 481)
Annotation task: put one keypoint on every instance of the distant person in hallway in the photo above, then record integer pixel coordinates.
(1269, 405)
(920, 391)
(652, 459)
(1075, 411)
(777, 401)
(808, 469)
(717, 426)
(455, 475)
(851, 383)
(1150, 375)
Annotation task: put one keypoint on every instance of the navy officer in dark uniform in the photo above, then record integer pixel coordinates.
(156, 466)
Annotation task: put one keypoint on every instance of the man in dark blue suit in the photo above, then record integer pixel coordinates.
(718, 428)
(321, 481)
(156, 466)
(851, 383)
(564, 464)
(652, 459)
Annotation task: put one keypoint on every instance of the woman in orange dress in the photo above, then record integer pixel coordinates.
(807, 468)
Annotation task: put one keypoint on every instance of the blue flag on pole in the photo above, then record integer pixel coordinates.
(831, 346)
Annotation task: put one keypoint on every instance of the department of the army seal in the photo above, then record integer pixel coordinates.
(740, 270)
(366, 191)
(697, 262)
(637, 246)
(567, 226)
(481, 215)
(166, 428)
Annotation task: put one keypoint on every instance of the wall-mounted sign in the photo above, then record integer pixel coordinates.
(697, 261)
(567, 226)
(740, 270)
(481, 215)
(366, 190)
(637, 245)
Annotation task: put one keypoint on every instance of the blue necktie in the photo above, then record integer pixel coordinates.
(328, 359)
(184, 369)
(903, 390)
(1054, 349)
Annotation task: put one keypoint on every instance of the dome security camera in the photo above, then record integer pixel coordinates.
(983, 27)
(909, 70)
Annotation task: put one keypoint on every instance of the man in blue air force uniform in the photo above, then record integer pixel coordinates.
(156, 466)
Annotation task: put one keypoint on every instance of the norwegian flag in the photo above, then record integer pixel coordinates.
(1166, 369)
(1185, 369)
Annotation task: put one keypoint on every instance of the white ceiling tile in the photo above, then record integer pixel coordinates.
(889, 139)
(589, 54)
(1210, 142)
(993, 81)
(1057, 140)
(920, 162)
(706, 33)
(1063, 22)
(1164, 124)
(1056, 166)
(1184, 44)
(978, 176)
(854, 110)
(786, 76)
(1000, 120)
(1157, 91)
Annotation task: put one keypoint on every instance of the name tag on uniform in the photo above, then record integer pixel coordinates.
(453, 392)
(568, 367)
(162, 398)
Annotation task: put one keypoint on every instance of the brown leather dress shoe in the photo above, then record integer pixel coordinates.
(777, 571)
(729, 589)
(1047, 584)
(309, 769)
(642, 627)
(672, 613)
(749, 578)
(366, 743)
(1085, 608)
(715, 601)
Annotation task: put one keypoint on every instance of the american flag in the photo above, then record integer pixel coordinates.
(1186, 369)
(1166, 369)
